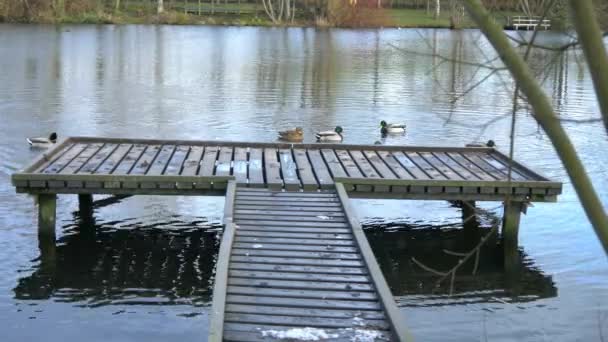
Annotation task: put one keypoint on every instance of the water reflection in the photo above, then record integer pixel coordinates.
(172, 262)
(395, 245)
(117, 263)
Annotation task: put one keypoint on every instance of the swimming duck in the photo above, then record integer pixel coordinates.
(391, 127)
(292, 134)
(43, 142)
(335, 135)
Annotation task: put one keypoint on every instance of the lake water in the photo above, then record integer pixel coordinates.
(147, 271)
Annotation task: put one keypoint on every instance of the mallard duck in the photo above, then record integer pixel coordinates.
(391, 127)
(292, 134)
(43, 142)
(335, 135)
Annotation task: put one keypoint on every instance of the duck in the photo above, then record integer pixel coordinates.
(386, 128)
(335, 135)
(296, 134)
(41, 142)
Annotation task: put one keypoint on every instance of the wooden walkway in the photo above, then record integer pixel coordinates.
(291, 261)
(137, 166)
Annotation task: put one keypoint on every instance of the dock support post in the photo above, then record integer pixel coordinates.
(470, 224)
(468, 210)
(510, 232)
(47, 207)
(85, 207)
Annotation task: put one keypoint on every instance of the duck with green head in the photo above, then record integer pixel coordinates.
(391, 128)
(335, 135)
(42, 142)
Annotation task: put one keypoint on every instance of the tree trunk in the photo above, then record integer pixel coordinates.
(545, 116)
(117, 6)
(437, 8)
(590, 37)
(161, 8)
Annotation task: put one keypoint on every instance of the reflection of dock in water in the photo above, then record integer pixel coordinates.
(394, 248)
(137, 264)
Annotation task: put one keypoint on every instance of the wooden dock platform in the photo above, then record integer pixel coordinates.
(293, 254)
(138, 166)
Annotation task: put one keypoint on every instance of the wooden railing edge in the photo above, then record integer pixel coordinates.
(216, 326)
(46, 156)
(394, 316)
(339, 146)
(446, 183)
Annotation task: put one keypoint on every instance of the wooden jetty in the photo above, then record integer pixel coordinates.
(293, 254)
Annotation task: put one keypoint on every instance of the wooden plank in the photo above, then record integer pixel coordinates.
(305, 170)
(276, 221)
(297, 293)
(296, 241)
(224, 161)
(481, 164)
(240, 165)
(384, 293)
(471, 167)
(243, 266)
(272, 169)
(327, 304)
(311, 236)
(394, 165)
(216, 326)
(129, 160)
(333, 163)
(302, 312)
(424, 165)
(306, 248)
(342, 335)
(208, 162)
(97, 160)
(287, 213)
(288, 218)
(174, 167)
(292, 204)
(82, 158)
(291, 207)
(366, 168)
(255, 168)
(378, 164)
(286, 229)
(63, 160)
(289, 170)
(162, 160)
(260, 193)
(315, 277)
(502, 167)
(462, 171)
(412, 168)
(317, 322)
(193, 161)
(295, 261)
(320, 169)
(145, 161)
(282, 199)
(108, 166)
(294, 254)
(349, 164)
(445, 170)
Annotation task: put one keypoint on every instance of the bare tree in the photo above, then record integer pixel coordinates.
(542, 110)
(160, 8)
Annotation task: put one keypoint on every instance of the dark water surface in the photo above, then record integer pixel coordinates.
(146, 273)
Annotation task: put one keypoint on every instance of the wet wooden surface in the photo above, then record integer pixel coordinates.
(90, 163)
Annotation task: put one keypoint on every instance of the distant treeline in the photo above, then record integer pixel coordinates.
(62, 10)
